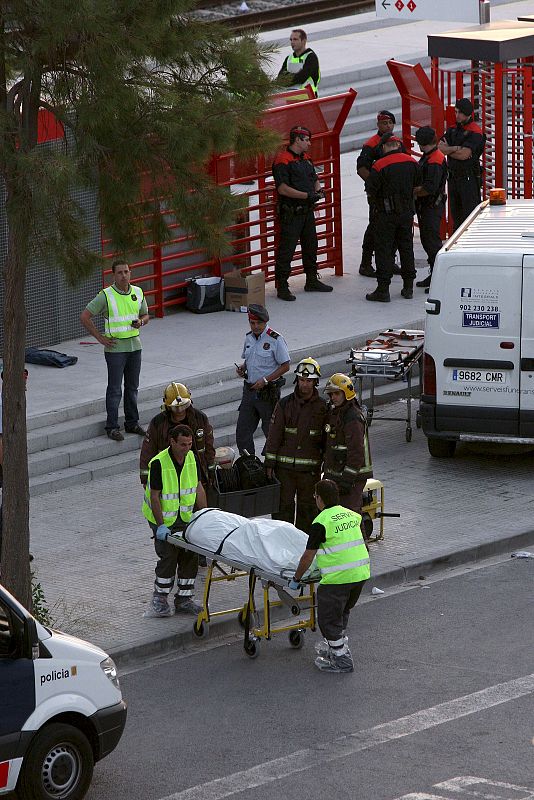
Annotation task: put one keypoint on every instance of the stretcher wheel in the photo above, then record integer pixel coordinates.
(296, 639)
(200, 629)
(408, 434)
(252, 648)
(418, 421)
(241, 618)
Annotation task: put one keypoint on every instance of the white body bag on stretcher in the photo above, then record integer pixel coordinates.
(266, 544)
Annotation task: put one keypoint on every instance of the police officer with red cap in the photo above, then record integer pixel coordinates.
(266, 359)
(390, 188)
(430, 196)
(463, 145)
(299, 190)
(371, 152)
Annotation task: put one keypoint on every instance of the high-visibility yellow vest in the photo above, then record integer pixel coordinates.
(294, 64)
(177, 495)
(343, 557)
(122, 310)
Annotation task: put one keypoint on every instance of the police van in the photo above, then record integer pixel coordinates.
(61, 708)
(478, 374)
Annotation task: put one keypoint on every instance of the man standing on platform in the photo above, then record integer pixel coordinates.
(303, 65)
(266, 359)
(463, 145)
(299, 190)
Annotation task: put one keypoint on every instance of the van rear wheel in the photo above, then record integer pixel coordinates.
(441, 448)
(59, 764)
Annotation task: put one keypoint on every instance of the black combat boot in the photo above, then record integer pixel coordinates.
(425, 283)
(283, 292)
(380, 294)
(407, 290)
(314, 284)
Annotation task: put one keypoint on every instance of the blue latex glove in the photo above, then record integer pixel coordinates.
(162, 533)
(294, 585)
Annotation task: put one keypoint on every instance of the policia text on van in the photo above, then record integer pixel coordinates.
(478, 382)
(61, 708)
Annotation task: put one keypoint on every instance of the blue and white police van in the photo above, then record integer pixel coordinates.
(478, 373)
(61, 708)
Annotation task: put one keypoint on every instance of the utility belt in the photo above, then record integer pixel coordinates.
(271, 391)
(394, 204)
(287, 211)
(432, 201)
(472, 171)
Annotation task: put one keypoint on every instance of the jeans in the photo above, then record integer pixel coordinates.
(127, 366)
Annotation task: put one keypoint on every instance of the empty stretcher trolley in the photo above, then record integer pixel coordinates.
(391, 356)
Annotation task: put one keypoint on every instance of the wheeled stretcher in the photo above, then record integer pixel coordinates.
(274, 581)
(392, 356)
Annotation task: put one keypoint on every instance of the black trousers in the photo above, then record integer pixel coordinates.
(368, 244)
(464, 196)
(334, 604)
(251, 411)
(172, 560)
(295, 227)
(429, 218)
(299, 485)
(393, 231)
(353, 499)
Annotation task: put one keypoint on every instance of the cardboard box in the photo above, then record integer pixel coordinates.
(241, 290)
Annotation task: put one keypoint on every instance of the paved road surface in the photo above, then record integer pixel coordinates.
(443, 690)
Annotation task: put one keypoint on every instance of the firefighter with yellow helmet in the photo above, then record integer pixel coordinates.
(295, 445)
(347, 459)
(177, 409)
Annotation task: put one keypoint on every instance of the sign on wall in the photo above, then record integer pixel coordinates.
(452, 10)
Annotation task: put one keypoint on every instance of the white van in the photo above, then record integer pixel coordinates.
(478, 376)
(61, 708)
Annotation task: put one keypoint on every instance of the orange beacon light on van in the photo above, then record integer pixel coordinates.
(497, 197)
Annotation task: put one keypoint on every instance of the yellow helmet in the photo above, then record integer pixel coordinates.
(341, 383)
(176, 395)
(308, 368)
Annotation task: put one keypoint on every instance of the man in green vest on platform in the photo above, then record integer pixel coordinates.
(336, 541)
(172, 493)
(125, 311)
(302, 65)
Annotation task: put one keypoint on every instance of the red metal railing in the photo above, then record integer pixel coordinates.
(164, 270)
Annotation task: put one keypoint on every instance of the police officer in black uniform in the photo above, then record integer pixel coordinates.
(463, 145)
(430, 196)
(299, 190)
(390, 188)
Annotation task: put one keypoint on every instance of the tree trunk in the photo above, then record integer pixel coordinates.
(15, 563)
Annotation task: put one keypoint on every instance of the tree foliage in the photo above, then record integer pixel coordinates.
(147, 94)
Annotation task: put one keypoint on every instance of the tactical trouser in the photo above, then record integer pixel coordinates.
(295, 227)
(300, 485)
(334, 604)
(172, 560)
(392, 230)
(353, 499)
(429, 218)
(464, 196)
(252, 410)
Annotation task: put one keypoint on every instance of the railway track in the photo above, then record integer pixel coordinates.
(273, 14)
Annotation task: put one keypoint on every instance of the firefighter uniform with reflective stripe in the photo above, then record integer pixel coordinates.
(347, 459)
(157, 439)
(294, 448)
(178, 486)
(343, 561)
(304, 69)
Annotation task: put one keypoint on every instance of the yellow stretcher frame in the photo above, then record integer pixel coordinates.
(375, 508)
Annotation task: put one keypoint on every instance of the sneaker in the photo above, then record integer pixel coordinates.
(136, 429)
(116, 435)
(187, 606)
(425, 283)
(367, 271)
(283, 293)
(379, 296)
(160, 606)
(333, 663)
(314, 284)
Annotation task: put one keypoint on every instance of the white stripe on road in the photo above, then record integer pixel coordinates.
(467, 786)
(348, 745)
